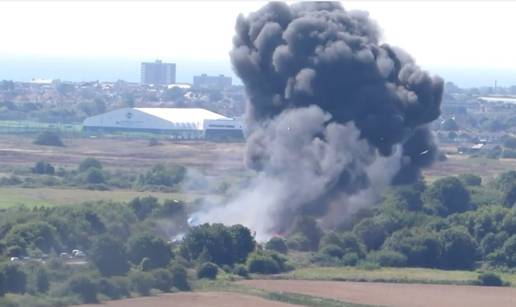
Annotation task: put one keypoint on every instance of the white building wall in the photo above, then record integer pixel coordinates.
(129, 118)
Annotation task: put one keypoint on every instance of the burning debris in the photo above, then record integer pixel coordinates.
(333, 115)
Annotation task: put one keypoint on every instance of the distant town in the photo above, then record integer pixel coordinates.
(475, 121)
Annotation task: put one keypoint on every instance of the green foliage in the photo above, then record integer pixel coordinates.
(420, 247)
(14, 278)
(470, 179)
(447, 196)
(115, 287)
(109, 256)
(243, 242)
(145, 245)
(388, 258)
(207, 270)
(38, 234)
(372, 232)
(163, 280)
(143, 206)
(241, 270)
(89, 163)
(179, 277)
(141, 282)
(43, 168)
(459, 248)
(298, 242)
(160, 175)
(266, 262)
(48, 138)
(332, 250)
(490, 279)
(84, 287)
(94, 176)
(277, 244)
(217, 243)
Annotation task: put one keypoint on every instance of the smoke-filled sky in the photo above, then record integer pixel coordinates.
(438, 33)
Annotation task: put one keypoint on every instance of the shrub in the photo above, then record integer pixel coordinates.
(350, 259)
(43, 168)
(241, 270)
(149, 246)
(298, 242)
(470, 179)
(490, 279)
(109, 256)
(388, 258)
(163, 280)
(115, 287)
(179, 277)
(332, 250)
(207, 270)
(94, 176)
(266, 262)
(277, 244)
(48, 138)
(14, 278)
(84, 287)
(89, 163)
(141, 282)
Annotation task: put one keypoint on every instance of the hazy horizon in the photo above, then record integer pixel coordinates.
(76, 69)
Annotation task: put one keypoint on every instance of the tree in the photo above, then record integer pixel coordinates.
(94, 176)
(39, 234)
(149, 246)
(14, 277)
(163, 280)
(85, 287)
(372, 232)
(48, 138)
(207, 270)
(143, 206)
(88, 163)
(42, 167)
(458, 248)
(243, 242)
(213, 242)
(277, 244)
(141, 282)
(470, 179)
(447, 196)
(109, 256)
(509, 250)
(180, 278)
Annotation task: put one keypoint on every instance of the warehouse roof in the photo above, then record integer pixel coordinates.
(182, 115)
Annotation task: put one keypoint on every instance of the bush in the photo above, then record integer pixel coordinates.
(490, 279)
(266, 262)
(470, 179)
(84, 287)
(163, 280)
(332, 250)
(241, 271)
(387, 258)
(298, 242)
(207, 270)
(43, 168)
(94, 176)
(109, 256)
(115, 287)
(141, 282)
(48, 138)
(149, 246)
(89, 163)
(277, 244)
(179, 277)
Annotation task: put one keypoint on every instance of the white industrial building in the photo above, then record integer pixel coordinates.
(181, 123)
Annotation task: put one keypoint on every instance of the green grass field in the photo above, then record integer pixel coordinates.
(35, 197)
(401, 275)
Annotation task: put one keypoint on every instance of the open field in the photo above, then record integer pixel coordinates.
(194, 299)
(390, 294)
(398, 275)
(123, 153)
(30, 197)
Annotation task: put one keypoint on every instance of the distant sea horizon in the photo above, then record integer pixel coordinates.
(25, 69)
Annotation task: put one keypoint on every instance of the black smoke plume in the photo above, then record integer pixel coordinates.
(333, 115)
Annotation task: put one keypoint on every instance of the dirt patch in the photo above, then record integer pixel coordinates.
(399, 295)
(194, 299)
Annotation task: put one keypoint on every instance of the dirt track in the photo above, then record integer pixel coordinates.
(194, 299)
(399, 295)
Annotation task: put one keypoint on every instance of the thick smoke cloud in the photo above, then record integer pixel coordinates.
(333, 116)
